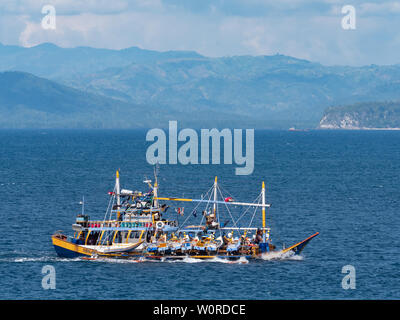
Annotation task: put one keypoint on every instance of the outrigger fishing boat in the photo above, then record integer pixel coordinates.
(137, 226)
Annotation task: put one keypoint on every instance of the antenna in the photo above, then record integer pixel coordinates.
(82, 203)
(156, 171)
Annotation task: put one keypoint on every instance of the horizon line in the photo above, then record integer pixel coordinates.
(200, 55)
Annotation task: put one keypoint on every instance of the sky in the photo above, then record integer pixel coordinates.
(306, 29)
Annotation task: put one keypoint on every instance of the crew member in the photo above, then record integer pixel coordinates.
(258, 238)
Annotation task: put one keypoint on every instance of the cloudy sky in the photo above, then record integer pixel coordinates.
(307, 29)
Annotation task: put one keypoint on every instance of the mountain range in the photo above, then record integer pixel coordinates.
(91, 88)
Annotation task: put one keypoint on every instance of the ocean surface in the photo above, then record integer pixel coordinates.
(343, 184)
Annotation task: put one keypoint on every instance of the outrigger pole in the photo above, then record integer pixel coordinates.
(216, 201)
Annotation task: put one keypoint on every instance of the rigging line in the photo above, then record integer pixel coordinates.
(226, 191)
(105, 215)
(202, 216)
(254, 214)
(233, 220)
(219, 222)
(183, 224)
(256, 200)
(109, 234)
(248, 208)
(272, 224)
(111, 200)
(208, 202)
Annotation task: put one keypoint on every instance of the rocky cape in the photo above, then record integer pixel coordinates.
(363, 116)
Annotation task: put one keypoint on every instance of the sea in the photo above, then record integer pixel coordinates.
(343, 184)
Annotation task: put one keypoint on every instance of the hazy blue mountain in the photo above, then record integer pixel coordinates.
(381, 115)
(277, 91)
(263, 91)
(50, 61)
(28, 101)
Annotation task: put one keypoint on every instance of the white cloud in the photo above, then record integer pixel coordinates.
(380, 8)
(164, 25)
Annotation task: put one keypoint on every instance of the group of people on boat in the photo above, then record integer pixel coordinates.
(206, 236)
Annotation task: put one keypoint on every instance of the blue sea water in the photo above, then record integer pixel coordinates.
(343, 184)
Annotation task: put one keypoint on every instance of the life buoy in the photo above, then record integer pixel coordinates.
(159, 224)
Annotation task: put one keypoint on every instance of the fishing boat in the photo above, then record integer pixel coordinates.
(138, 226)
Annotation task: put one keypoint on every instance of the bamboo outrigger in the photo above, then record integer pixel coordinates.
(140, 231)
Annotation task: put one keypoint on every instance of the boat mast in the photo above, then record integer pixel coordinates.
(155, 188)
(117, 189)
(155, 200)
(263, 210)
(215, 195)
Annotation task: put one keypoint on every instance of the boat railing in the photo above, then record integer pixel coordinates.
(60, 235)
(135, 210)
(117, 224)
(133, 218)
(132, 222)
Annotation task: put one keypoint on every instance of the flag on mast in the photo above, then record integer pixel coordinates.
(180, 211)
